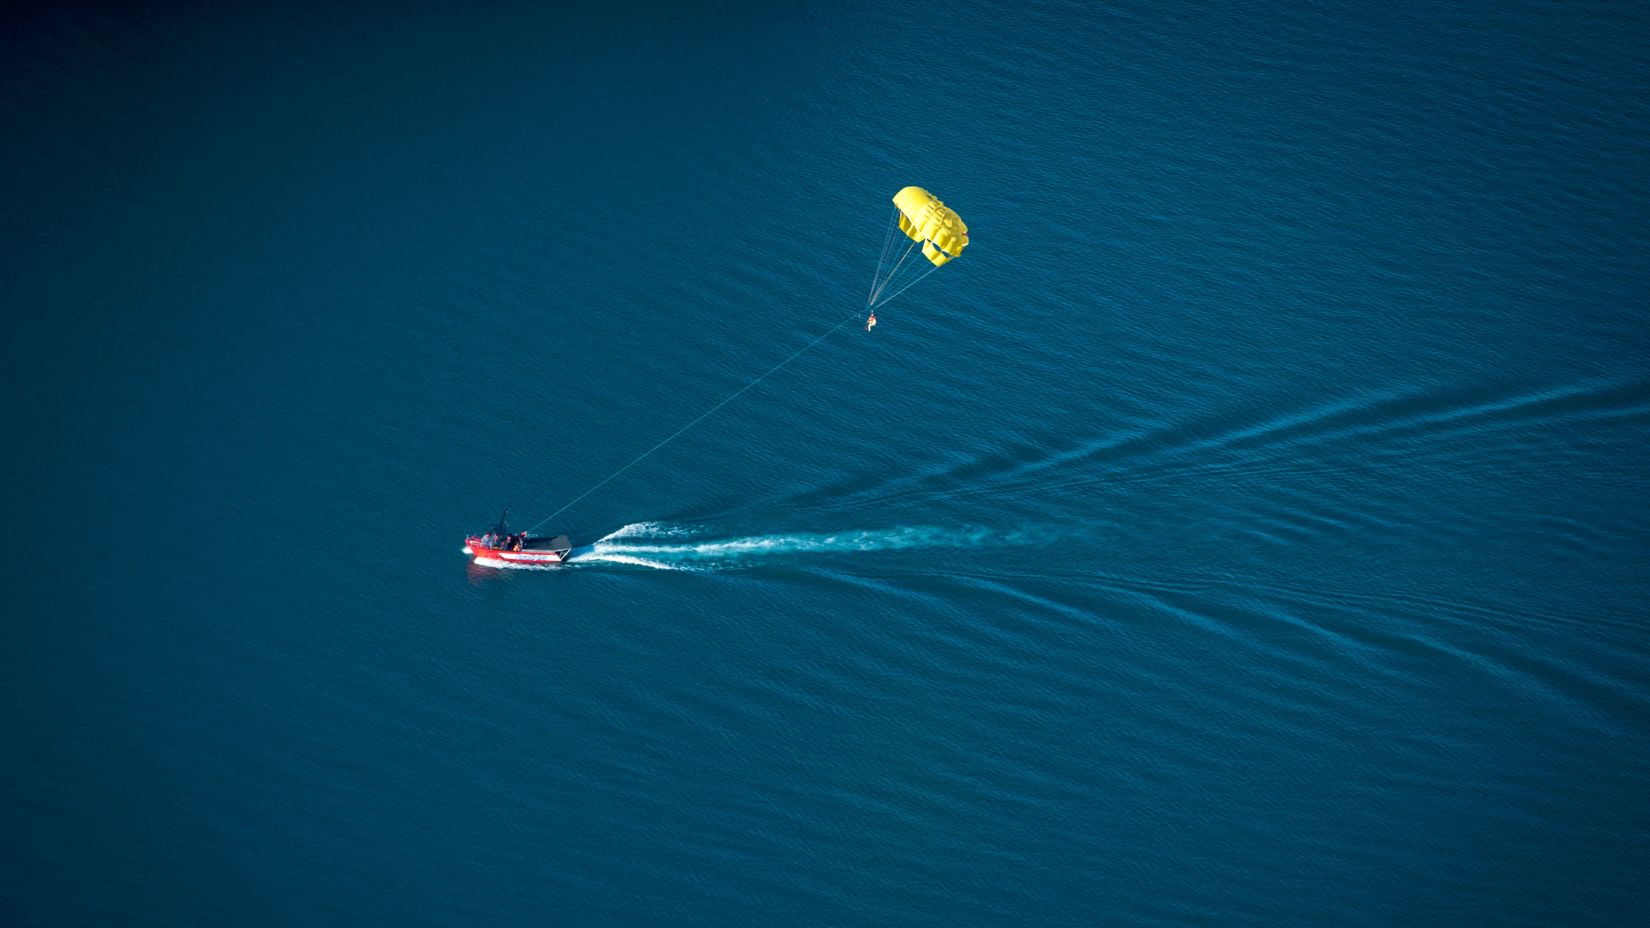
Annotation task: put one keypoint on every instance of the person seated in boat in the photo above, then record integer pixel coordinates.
(517, 541)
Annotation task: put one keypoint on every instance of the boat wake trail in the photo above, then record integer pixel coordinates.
(670, 547)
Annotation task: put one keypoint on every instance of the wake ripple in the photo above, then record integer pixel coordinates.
(1347, 436)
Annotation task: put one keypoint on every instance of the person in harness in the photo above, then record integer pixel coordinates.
(871, 321)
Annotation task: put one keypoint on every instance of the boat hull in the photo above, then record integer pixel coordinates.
(528, 556)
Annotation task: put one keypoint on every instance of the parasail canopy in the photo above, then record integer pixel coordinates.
(924, 218)
(926, 221)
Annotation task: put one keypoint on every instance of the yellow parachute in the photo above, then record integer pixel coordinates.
(927, 221)
(924, 218)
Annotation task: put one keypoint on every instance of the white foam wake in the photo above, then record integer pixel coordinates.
(670, 547)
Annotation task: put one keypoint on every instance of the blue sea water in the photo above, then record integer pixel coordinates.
(1249, 529)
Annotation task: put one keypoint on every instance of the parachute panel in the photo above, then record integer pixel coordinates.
(934, 254)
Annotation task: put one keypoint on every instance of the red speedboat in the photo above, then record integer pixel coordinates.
(500, 544)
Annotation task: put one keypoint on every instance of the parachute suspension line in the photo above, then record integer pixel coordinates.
(702, 416)
(908, 285)
(895, 272)
(901, 279)
(887, 248)
(892, 273)
(898, 281)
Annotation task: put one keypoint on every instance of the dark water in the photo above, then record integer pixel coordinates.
(1250, 529)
